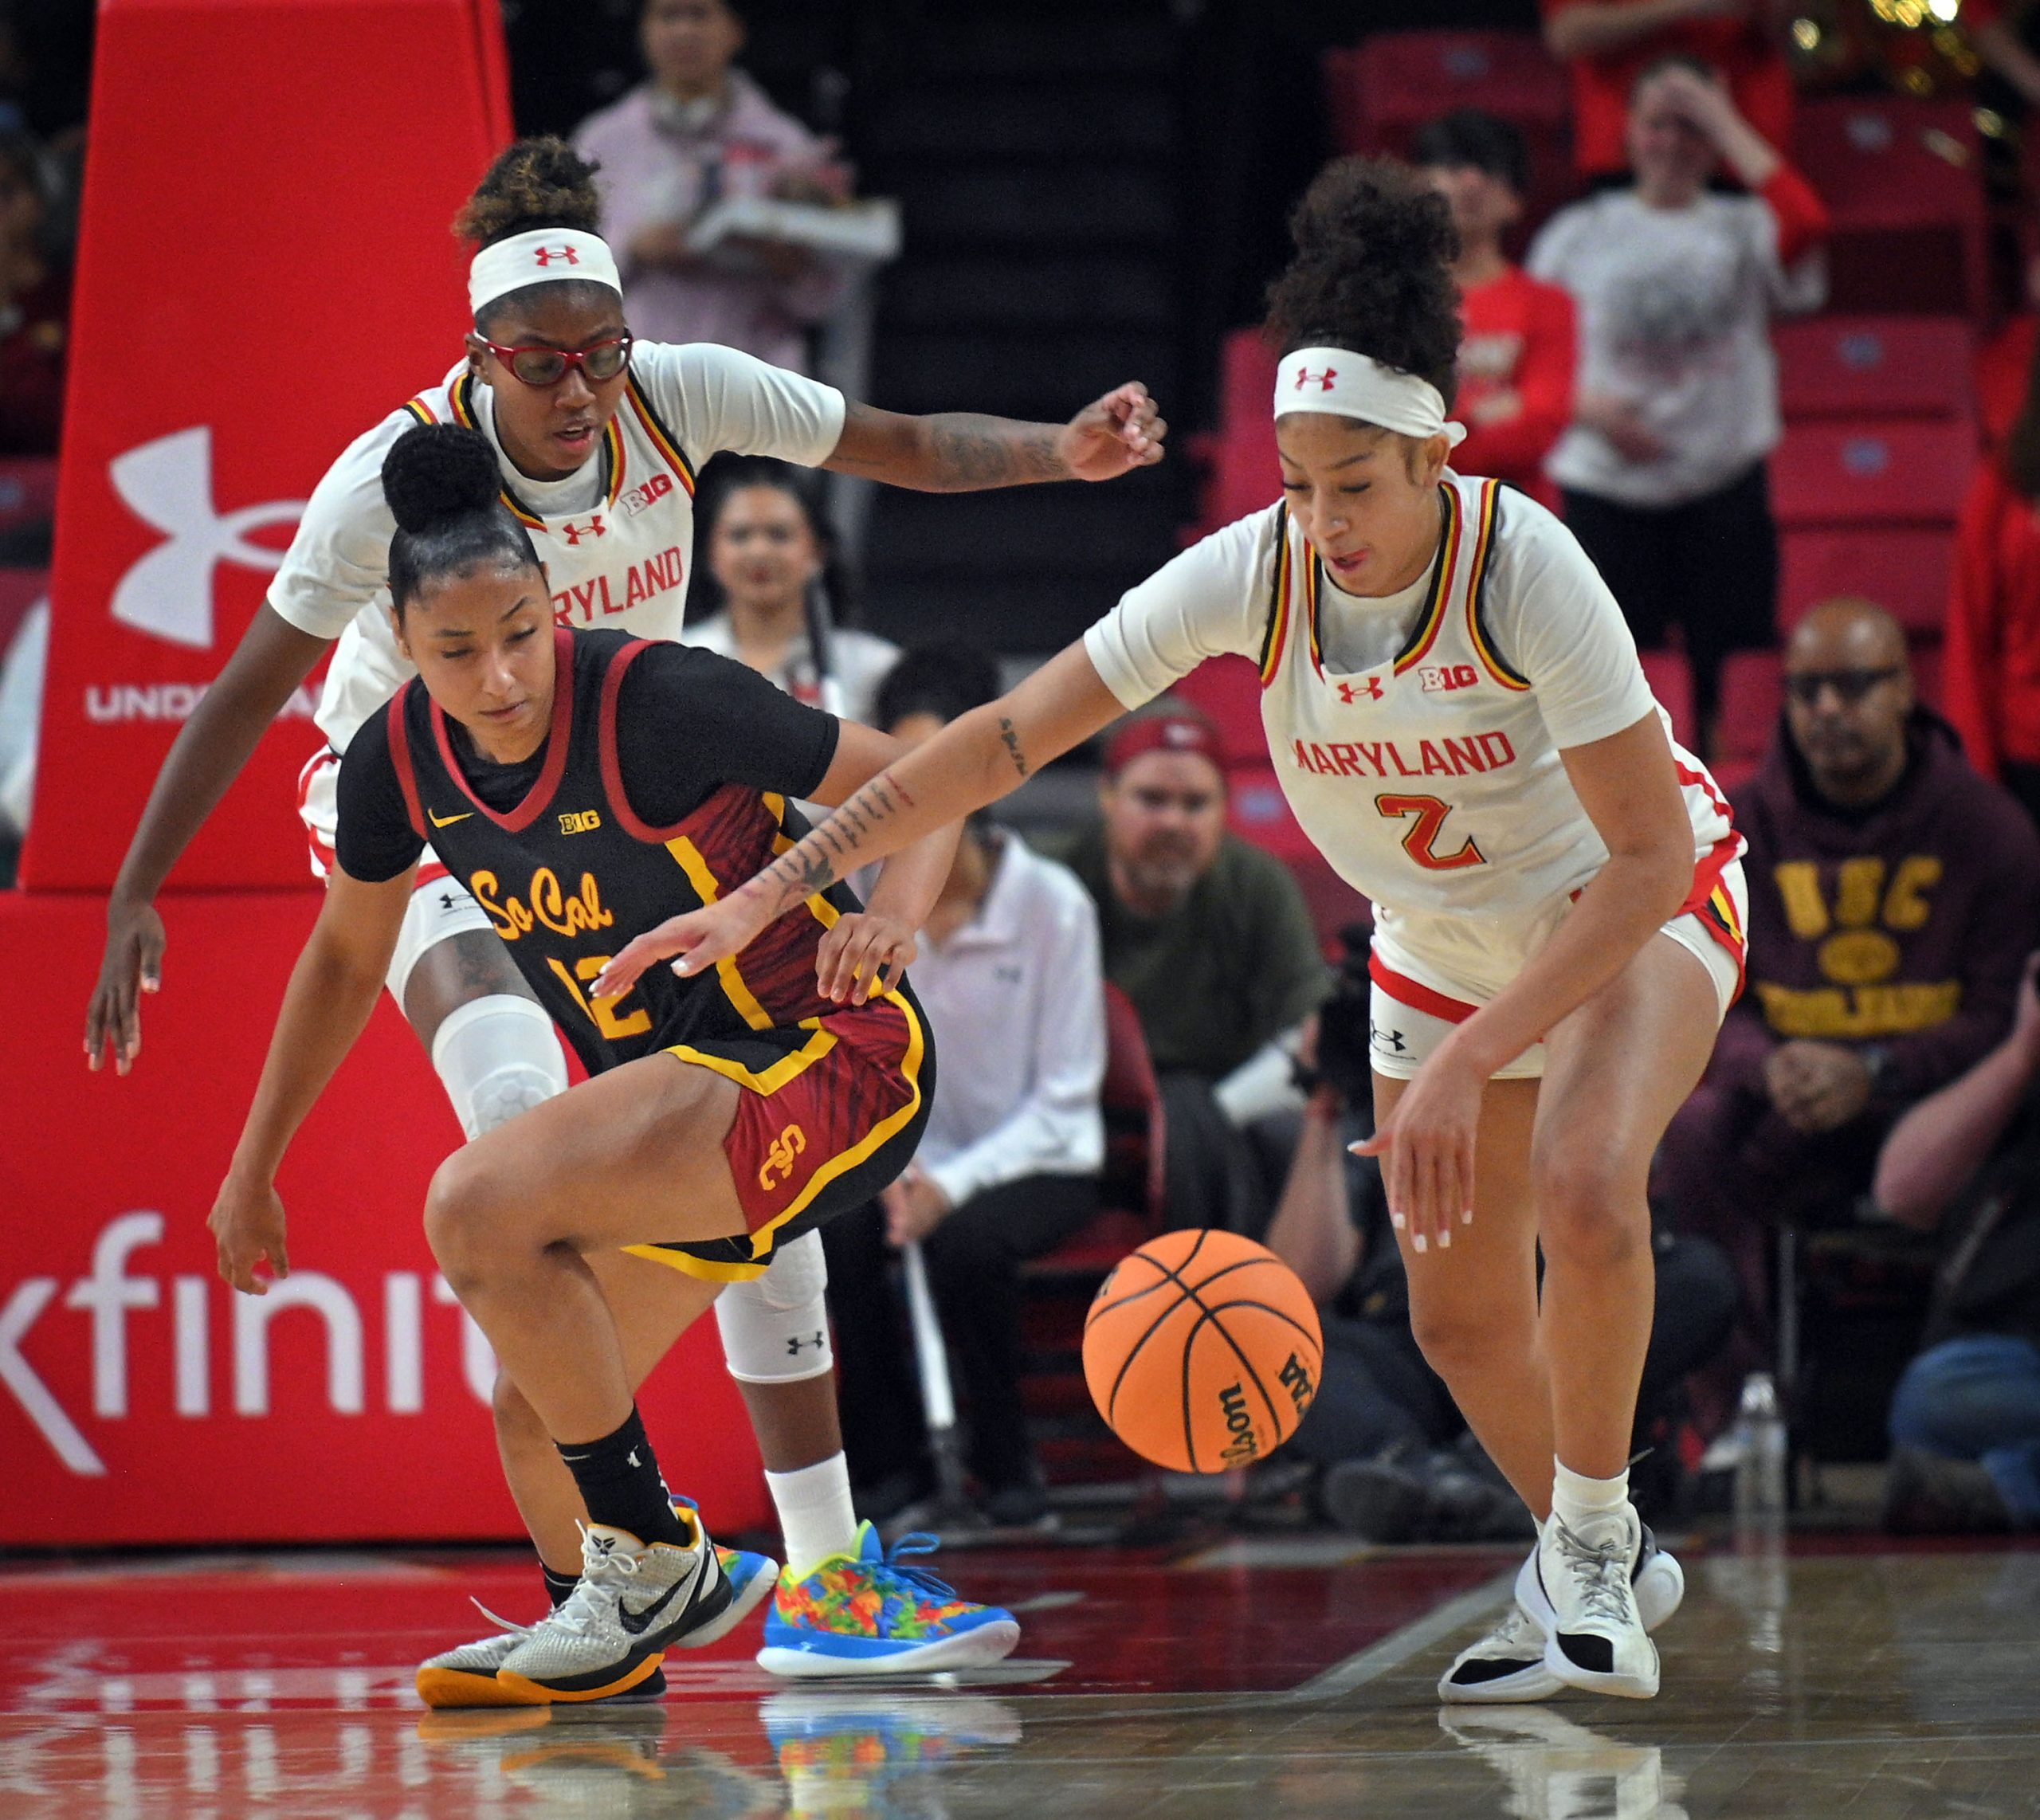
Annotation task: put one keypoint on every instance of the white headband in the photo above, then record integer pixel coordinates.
(539, 258)
(1346, 384)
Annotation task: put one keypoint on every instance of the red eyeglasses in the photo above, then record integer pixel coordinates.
(538, 366)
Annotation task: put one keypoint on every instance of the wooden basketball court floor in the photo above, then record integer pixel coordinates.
(1269, 1677)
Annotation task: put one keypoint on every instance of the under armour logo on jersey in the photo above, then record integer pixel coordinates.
(573, 533)
(1368, 686)
(1322, 380)
(633, 1460)
(168, 484)
(1392, 1041)
(565, 255)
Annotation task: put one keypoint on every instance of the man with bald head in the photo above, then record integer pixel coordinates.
(1893, 902)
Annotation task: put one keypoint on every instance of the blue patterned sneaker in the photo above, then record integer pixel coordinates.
(751, 1578)
(867, 1613)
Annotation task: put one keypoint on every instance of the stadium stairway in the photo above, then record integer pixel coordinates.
(1039, 152)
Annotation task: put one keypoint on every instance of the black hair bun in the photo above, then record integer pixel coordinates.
(537, 182)
(437, 471)
(1373, 209)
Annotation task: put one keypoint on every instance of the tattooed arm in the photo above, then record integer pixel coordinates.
(975, 760)
(960, 451)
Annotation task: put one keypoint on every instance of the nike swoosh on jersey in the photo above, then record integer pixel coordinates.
(447, 820)
(637, 1623)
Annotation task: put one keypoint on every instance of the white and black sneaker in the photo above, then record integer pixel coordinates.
(1507, 1666)
(1584, 1578)
(634, 1600)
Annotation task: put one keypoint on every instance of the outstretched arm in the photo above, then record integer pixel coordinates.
(332, 990)
(975, 760)
(271, 659)
(961, 451)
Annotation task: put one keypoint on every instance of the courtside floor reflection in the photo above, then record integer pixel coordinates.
(1244, 1678)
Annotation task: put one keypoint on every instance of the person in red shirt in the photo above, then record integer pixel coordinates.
(1990, 667)
(1521, 335)
(1609, 43)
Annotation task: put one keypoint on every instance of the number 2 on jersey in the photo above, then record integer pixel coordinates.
(1420, 841)
(602, 1012)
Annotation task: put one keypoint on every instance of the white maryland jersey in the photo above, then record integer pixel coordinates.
(1416, 737)
(617, 539)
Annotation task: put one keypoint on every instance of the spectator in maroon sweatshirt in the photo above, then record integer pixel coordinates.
(1892, 896)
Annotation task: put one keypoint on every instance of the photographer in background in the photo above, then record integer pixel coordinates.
(1397, 1464)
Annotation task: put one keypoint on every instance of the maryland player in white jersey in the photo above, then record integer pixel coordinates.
(1456, 711)
(598, 439)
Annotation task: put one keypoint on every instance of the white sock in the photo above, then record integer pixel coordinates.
(1575, 1498)
(815, 1515)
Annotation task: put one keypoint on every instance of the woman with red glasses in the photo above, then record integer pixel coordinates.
(598, 440)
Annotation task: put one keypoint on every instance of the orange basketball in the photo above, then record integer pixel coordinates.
(1203, 1350)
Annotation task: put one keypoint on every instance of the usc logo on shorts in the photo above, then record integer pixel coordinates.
(778, 1164)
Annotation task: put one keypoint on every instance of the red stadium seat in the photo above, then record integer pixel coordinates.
(1381, 91)
(1901, 179)
(1877, 470)
(1246, 378)
(1670, 678)
(1876, 366)
(1750, 696)
(20, 589)
(1904, 569)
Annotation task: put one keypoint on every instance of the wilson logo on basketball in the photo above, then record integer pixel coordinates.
(1245, 1445)
(1296, 1380)
(778, 1164)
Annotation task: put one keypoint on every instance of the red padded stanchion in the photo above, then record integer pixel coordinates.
(264, 271)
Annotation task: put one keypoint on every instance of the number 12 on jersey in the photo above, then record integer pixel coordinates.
(1420, 840)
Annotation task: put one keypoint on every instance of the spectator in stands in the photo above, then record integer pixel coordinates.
(1009, 975)
(1211, 939)
(1663, 471)
(1892, 904)
(1608, 44)
(1515, 361)
(1965, 1423)
(698, 131)
(34, 307)
(1397, 1464)
(769, 553)
(1990, 680)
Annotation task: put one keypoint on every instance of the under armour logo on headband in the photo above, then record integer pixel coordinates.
(1354, 385)
(1322, 380)
(547, 254)
(527, 259)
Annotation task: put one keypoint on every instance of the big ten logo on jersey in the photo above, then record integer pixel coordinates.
(580, 821)
(1435, 677)
(778, 1164)
(654, 489)
(546, 902)
(1856, 932)
(582, 603)
(175, 1319)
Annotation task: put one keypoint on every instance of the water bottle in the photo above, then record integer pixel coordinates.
(1761, 1462)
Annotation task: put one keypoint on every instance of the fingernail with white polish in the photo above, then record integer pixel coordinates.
(1444, 1239)
(1466, 1218)
(1397, 1221)
(1420, 1241)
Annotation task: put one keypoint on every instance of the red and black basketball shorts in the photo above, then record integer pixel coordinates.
(831, 1111)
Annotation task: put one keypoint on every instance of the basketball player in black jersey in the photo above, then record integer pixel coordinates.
(585, 786)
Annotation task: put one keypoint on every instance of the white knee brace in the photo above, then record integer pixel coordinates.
(498, 1056)
(775, 1328)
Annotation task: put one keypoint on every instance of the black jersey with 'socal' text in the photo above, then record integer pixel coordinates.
(570, 874)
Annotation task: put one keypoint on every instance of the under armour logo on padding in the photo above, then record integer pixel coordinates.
(168, 484)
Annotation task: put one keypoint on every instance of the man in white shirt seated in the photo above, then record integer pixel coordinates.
(1009, 976)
